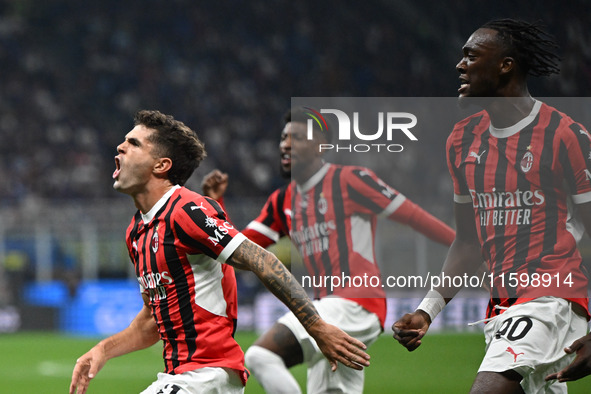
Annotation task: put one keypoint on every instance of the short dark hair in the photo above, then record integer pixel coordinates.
(173, 139)
(302, 114)
(532, 48)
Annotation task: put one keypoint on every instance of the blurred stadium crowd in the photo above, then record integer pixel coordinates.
(72, 74)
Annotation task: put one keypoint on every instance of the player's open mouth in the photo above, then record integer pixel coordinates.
(285, 158)
(463, 85)
(117, 168)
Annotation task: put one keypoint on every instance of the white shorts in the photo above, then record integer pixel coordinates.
(208, 380)
(349, 317)
(530, 338)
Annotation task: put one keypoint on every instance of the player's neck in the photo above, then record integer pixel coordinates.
(152, 193)
(508, 111)
(301, 175)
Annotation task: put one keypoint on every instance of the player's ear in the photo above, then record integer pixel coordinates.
(507, 65)
(162, 166)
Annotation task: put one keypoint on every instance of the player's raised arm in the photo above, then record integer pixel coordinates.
(141, 333)
(334, 343)
(463, 258)
(423, 222)
(214, 184)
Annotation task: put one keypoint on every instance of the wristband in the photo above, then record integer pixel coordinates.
(432, 304)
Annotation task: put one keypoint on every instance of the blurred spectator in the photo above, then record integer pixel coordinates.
(73, 72)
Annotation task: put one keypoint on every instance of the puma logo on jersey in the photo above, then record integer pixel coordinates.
(477, 156)
(200, 206)
(510, 350)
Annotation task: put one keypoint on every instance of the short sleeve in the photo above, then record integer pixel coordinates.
(202, 227)
(575, 159)
(369, 194)
(454, 157)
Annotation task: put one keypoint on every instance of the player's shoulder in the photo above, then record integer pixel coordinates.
(476, 124)
(566, 124)
(354, 172)
(185, 196)
(187, 200)
(280, 195)
(468, 128)
(282, 190)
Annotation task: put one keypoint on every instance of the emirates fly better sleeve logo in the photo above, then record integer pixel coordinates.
(389, 124)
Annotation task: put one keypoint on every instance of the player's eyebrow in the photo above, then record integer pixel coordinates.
(469, 48)
(133, 141)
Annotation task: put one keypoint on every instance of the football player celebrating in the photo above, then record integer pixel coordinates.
(184, 252)
(514, 166)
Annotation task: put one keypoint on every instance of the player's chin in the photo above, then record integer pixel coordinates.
(118, 186)
(465, 101)
(285, 171)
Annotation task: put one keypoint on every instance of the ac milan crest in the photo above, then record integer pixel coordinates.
(155, 241)
(527, 162)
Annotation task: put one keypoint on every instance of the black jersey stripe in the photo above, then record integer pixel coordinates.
(133, 253)
(479, 171)
(186, 239)
(547, 185)
(279, 207)
(523, 233)
(218, 209)
(269, 219)
(181, 283)
(363, 199)
(339, 215)
(500, 184)
(324, 257)
(163, 303)
(301, 201)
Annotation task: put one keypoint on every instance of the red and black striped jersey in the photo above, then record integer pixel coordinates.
(332, 219)
(274, 221)
(518, 181)
(177, 250)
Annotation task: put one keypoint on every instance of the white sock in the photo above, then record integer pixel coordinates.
(270, 370)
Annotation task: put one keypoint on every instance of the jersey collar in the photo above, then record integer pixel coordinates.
(507, 132)
(152, 212)
(314, 179)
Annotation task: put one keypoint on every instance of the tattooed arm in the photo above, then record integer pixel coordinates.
(333, 342)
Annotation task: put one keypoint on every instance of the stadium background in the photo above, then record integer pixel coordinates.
(73, 73)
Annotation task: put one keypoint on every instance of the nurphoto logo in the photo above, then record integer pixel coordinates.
(388, 124)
